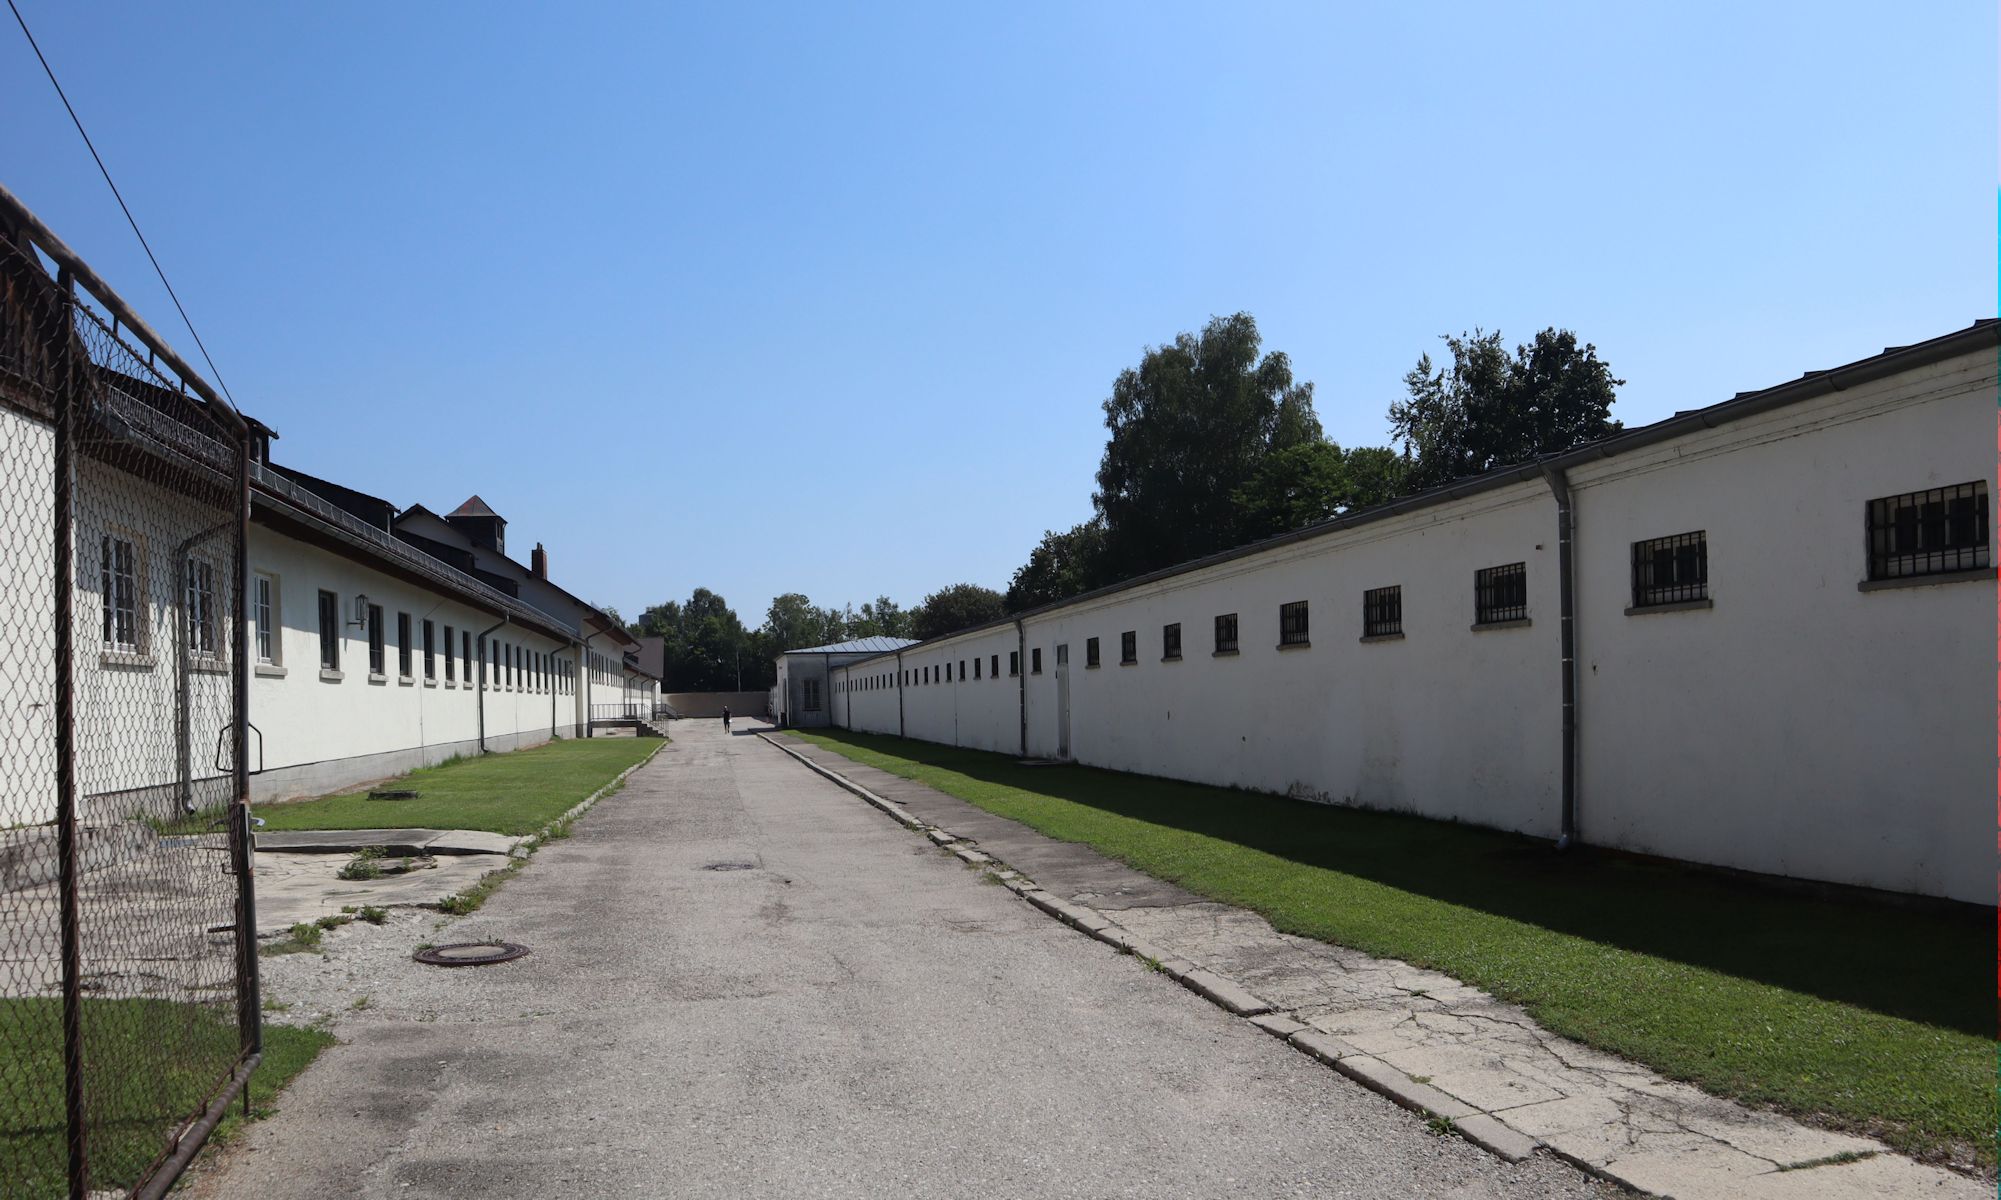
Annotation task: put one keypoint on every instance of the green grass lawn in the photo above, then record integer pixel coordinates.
(1851, 1010)
(514, 794)
(151, 1065)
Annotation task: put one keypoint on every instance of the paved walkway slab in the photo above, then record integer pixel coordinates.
(1433, 1043)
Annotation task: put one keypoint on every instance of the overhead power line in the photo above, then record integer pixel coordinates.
(125, 208)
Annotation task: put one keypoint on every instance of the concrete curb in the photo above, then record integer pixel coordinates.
(1378, 1076)
(894, 810)
(524, 847)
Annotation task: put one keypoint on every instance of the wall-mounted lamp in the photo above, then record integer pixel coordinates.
(360, 617)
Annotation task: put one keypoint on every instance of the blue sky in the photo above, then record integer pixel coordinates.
(791, 298)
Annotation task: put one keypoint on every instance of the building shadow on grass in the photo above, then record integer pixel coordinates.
(1918, 960)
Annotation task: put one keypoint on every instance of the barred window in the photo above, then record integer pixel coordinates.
(1226, 633)
(976, 668)
(265, 607)
(450, 669)
(119, 573)
(403, 644)
(1501, 594)
(1292, 628)
(1671, 570)
(1382, 611)
(962, 670)
(1929, 533)
(375, 639)
(1090, 652)
(812, 695)
(1128, 647)
(993, 667)
(430, 651)
(202, 617)
(465, 656)
(1014, 662)
(1035, 660)
(329, 632)
(1170, 640)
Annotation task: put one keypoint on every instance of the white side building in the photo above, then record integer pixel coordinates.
(804, 691)
(1781, 643)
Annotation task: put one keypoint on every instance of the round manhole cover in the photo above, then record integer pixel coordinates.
(471, 954)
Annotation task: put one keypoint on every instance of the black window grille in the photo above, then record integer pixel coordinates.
(993, 667)
(329, 632)
(1226, 633)
(430, 651)
(1292, 627)
(465, 654)
(1170, 640)
(375, 639)
(1013, 663)
(1129, 647)
(204, 634)
(1090, 652)
(1501, 594)
(976, 668)
(451, 664)
(1035, 660)
(403, 644)
(121, 595)
(1929, 533)
(1382, 611)
(962, 670)
(1671, 570)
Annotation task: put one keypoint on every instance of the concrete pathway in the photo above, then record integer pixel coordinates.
(1431, 1042)
(744, 982)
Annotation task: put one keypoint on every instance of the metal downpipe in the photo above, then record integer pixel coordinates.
(482, 678)
(1559, 487)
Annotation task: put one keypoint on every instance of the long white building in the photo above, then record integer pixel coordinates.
(1758, 635)
(376, 639)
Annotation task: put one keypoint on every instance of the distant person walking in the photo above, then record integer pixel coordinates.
(726, 718)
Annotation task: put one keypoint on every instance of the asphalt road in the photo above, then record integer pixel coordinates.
(851, 1013)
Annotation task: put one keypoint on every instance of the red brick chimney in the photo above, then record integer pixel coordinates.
(539, 562)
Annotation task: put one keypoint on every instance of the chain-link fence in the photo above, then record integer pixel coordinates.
(128, 1007)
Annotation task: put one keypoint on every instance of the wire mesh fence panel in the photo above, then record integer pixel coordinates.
(125, 1010)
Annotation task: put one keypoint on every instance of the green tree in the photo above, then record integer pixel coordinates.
(796, 624)
(1303, 484)
(1189, 426)
(951, 609)
(1487, 409)
(1062, 565)
(881, 617)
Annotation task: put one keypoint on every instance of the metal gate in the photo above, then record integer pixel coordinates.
(128, 989)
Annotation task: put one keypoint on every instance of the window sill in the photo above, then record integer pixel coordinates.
(1381, 637)
(208, 665)
(1170, 658)
(1641, 610)
(125, 658)
(1128, 662)
(330, 675)
(375, 678)
(1490, 626)
(1911, 581)
(1295, 645)
(406, 681)
(1092, 666)
(430, 683)
(1223, 654)
(452, 684)
(270, 670)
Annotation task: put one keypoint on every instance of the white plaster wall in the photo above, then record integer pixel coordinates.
(307, 716)
(1800, 726)
(1447, 722)
(27, 640)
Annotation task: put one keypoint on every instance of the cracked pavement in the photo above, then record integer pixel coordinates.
(1448, 1047)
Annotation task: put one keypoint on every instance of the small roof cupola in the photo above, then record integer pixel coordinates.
(486, 528)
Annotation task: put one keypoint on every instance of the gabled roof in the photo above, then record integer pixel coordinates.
(866, 645)
(474, 507)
